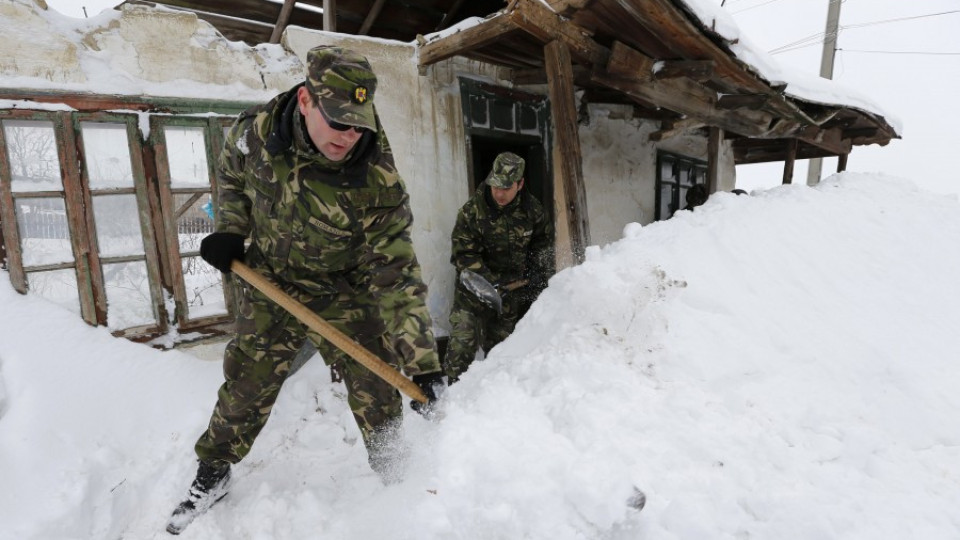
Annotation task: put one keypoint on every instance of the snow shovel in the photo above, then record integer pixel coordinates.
(339, 339)
(485, 291)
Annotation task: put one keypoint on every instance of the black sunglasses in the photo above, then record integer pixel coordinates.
(337, 126)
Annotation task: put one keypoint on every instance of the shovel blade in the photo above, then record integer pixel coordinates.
(482, 289)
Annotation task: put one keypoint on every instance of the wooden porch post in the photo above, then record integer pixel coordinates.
(791, 160)
(568, 165)
(282, 20)
(330, 15)
(713, 159)
(842, 162)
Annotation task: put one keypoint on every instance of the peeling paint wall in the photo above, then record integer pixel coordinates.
(619, 168)
(136, 51)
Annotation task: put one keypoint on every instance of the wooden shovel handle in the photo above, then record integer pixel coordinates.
(339, 339)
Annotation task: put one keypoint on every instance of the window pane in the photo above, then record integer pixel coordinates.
(667, 205)
(57, 286)
(118, 225)
(195, 220)
(187, 156)
(107, 155)
(44, 233)
(32, 150)
(128, 295)
(204, 285)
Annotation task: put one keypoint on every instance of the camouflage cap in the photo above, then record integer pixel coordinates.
(344, 84)
(507, 170)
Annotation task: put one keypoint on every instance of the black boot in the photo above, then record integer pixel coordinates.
(208, 487)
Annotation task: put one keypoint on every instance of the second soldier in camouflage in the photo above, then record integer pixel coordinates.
(503, 234)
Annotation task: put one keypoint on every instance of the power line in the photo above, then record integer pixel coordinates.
(815, 39)
(752, 7)
(931, 53)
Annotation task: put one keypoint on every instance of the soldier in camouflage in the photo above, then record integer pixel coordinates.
(309, 179)
(504, 235)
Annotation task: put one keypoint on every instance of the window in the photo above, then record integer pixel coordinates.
(675, 175)
(107, 224)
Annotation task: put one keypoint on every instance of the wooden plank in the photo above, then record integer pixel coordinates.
(790, 161)
(567, 7)
(830, 140)
(538, 21)
(673, 26)
(766, 154)
(330, 15)
(8, 217)
(87, 273)
(471, 38)
(672, 128)
(713, 159)
(282, 20)
(568, 164)
(742, 101)
(98, 291)
(698, 70)
(680, 95)
(842, 162)
(371, 16)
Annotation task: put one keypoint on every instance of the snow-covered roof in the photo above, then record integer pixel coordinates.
(676, 60)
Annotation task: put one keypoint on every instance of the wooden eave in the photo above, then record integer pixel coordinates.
(656, 55)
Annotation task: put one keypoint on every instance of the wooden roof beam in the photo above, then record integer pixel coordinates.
(698, 70)
(669, 129)
(680, 95)
(830, 140)
(282, 20)
(539, 21)
(371, 17)
(468, 39)
(743, 101)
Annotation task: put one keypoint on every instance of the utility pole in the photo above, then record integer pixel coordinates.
(826, 71)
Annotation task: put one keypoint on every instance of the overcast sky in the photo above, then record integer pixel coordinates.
(909, 63)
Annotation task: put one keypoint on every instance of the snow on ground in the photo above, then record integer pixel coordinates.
(780, 365)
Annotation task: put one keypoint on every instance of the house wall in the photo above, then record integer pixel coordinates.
(167, 53)
(619, 168)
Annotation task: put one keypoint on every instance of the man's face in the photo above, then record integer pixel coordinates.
(504, 196)
(333, 144)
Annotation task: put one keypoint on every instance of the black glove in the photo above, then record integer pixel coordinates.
(431, 384)
(221, 248)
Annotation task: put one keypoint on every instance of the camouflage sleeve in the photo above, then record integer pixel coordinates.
(233, 206)
(392, 276)
(467, 245)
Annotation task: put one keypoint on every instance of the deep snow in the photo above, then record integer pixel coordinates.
(780, 365)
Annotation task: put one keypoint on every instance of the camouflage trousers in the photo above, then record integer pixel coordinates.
(258, 360)
(474, 326)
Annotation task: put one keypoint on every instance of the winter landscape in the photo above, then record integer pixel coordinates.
(778, 365)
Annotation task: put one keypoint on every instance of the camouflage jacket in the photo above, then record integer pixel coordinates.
(326, 228)
(504, 244)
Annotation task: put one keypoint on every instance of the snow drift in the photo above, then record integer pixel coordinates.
(780, 365)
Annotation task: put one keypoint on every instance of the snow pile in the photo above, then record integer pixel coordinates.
(780, 365)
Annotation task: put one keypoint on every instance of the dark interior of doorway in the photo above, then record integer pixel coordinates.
(536, 182)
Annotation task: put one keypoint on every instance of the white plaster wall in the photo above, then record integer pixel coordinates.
(619, 168)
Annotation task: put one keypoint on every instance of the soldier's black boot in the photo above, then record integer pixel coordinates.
(208, 487)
